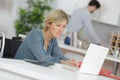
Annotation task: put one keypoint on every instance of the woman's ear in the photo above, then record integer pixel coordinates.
(47, 23)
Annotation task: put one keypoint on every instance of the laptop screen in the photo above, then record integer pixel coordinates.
(93, 59)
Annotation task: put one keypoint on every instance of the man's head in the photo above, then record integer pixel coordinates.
(93, 5)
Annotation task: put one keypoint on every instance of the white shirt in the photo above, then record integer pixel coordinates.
(81, 18)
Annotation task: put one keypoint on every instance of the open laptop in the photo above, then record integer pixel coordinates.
(93, 59)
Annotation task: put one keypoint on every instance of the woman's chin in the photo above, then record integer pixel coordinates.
(57, 36)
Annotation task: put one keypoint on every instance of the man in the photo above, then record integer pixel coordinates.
(81, 19)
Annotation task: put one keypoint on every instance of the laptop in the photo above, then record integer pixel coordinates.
(93, 59)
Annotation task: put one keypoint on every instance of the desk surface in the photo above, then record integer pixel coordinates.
(32, 71)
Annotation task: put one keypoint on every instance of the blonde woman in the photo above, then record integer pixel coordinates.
(42, 45)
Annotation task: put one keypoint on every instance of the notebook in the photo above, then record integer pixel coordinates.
(93, 59)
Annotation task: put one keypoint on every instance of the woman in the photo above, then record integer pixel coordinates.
(42, 45)
(81, 20)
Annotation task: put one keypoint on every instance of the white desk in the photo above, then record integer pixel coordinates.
(29, 71)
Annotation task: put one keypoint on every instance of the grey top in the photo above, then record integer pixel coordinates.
(33, 48)
(81, 18)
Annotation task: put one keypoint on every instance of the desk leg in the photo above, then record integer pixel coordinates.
(115, 68)
(75, 39)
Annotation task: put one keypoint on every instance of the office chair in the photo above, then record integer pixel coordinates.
(2, 43)
(11, 47)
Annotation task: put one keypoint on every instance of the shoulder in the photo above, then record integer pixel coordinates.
(84, 12)
(35, 32)
(79, 11)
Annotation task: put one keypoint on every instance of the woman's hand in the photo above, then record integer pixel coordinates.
(71, 62)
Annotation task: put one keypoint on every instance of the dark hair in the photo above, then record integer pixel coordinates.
(94, 3)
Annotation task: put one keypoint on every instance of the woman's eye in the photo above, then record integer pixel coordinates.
(58, 25)
(63, 26)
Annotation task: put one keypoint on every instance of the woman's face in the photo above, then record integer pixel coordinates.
(56, 29)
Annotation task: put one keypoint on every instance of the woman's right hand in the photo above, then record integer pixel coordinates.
(71, 62)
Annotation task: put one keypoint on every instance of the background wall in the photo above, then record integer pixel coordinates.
(9, 13)
(104, 31)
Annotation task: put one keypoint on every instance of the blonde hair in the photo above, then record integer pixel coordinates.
(56, 15)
